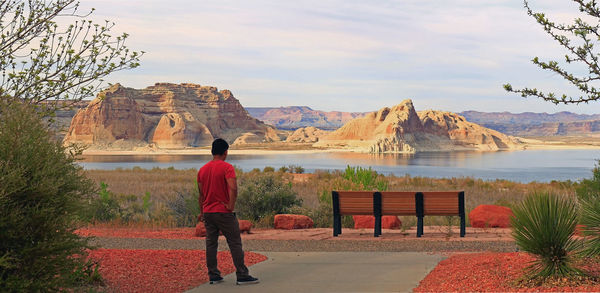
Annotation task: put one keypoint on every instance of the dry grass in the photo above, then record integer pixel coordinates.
(163, 185)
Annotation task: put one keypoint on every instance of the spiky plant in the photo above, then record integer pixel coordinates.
(543, 225)
(590, 219)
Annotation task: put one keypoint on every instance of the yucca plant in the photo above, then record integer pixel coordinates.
(590, 219)
(543, 225)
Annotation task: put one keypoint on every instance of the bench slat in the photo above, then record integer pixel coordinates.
(356, 202)
(398, 203)
(441, 203)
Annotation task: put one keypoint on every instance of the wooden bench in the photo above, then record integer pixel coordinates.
(378, 204)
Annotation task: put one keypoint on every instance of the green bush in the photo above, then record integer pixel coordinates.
(589, 188)
(104, 207)
(368, 178)
(268, 169)
(264, 195)
(42, 193)
(590, 219)
(543, 225)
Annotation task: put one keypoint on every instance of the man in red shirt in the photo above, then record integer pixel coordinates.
(218, 192)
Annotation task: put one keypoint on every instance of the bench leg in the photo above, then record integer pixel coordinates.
(377, 229)
(339, 224)
(462, 226)
(336, 224)
(419, 226)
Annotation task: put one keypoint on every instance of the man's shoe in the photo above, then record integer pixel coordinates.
(247, 280)
(216, 280)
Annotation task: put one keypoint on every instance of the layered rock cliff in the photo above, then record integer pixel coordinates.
(168, 116)
(401, 129)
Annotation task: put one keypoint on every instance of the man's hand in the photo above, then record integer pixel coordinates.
(201, 217)
(230, 206)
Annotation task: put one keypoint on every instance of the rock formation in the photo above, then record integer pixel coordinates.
(401, 129)
(168, 116)
(306, 135)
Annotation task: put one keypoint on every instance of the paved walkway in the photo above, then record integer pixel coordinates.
(333, 272)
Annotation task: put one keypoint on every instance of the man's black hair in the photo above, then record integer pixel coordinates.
(219, 147)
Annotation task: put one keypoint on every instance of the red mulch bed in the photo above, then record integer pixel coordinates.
(493, 272)
(126, 270)
(161, 233)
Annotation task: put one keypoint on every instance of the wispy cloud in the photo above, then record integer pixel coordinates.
(345, 54)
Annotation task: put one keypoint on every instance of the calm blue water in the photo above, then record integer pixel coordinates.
(522, 166)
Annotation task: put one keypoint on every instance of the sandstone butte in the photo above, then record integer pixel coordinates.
(167, 116)
(401, 129)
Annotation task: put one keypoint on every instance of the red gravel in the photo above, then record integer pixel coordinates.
(160, 270)
(491, 272)
(160, 233)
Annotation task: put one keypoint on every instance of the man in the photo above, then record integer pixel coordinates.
(217, 186)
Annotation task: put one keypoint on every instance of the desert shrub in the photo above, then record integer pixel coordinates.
(296, 169)
(42, 192)
(185, 208)
(264, 195)
(543, 225)
(590, 219)
(368, 178)
(268, 169)
(283, 169)
(589, 188)
(104, 206)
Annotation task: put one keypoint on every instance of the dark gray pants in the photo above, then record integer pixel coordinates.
(227, 224)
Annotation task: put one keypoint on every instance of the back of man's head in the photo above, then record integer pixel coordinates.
(219, 147)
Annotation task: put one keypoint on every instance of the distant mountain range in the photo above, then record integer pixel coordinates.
(520, 124)
(536, 124)
(294, 117)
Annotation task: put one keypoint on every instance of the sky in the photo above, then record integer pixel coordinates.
(346, 55)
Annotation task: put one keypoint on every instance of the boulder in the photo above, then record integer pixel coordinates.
(245, 226)
(368, 222)
(490, 216)
(288, 222)
(200, 230)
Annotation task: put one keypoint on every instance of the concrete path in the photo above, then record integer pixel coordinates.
(333, 272)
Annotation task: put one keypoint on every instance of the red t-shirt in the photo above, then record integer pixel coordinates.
(213, 177)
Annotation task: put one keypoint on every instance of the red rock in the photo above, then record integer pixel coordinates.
(245, 226)
(579, 230)
(200, 230)
(490, 216)
(288, 222)
(368, 222)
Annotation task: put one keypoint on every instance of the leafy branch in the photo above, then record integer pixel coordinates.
(578, 39)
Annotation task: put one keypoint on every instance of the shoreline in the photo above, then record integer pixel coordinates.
(267, 151)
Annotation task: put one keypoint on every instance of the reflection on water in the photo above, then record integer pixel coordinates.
(523, 166)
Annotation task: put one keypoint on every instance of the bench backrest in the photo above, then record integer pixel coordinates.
(356, 202)
(398, 203)
(441, 203)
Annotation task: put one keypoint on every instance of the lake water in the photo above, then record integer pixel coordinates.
(522, 166)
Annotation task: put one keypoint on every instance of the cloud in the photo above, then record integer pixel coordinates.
(344, 54)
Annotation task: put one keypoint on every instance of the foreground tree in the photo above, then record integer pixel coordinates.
(42, 61)
(43, 191)
(578, 39)
(41, 195)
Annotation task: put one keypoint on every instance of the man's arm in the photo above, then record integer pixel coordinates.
(232, 185)
(200, 200)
